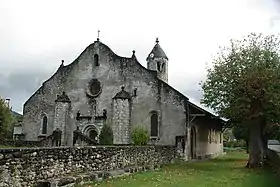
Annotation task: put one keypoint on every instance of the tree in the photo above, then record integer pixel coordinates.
(241, 132)
(6, 120)
(243, 86)
(106, 135)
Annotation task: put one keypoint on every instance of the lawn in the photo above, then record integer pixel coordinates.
(226, 171)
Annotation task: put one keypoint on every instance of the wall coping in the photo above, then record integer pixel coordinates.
(9, 150)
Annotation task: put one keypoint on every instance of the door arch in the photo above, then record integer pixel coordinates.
(91, 131)
(92, 134)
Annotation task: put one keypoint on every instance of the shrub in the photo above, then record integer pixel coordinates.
(106, 135)
(140, 136)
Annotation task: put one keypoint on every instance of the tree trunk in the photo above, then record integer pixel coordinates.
(247, 146)
(256, 151)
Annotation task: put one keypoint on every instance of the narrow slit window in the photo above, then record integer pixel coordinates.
(44, 125)
(163, 67)
(154, 125)
(158, 66)
(96, 60)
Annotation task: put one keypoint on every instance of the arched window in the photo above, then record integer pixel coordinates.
(163, 67)
(154, 125)
(44, 125)
(96, 60)
(158, 66)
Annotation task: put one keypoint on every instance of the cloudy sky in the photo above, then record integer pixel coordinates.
(36, 35)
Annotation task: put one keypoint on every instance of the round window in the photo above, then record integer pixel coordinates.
(94, 88)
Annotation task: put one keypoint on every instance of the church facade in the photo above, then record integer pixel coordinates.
(100, 87)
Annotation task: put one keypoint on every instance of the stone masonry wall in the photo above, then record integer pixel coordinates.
(29, 166)
(273, 159)
(60, 121)
(121, 118)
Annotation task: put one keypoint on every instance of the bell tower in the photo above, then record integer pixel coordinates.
(158, 61)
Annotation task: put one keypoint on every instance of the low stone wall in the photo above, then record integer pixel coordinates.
(273, 159)
(30, 166)
(20, 143)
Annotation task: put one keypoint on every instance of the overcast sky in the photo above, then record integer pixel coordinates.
(36, 35)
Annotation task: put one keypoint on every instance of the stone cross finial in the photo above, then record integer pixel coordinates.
(98, 35)
(157, 41)
(62, 63)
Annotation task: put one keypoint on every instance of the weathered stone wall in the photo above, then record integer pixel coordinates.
(173, 114)
(20, 143)
(121, 121)
(26, 167)
(273, 159)
(163, 73)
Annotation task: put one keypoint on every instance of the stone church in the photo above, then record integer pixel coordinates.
(100, 87)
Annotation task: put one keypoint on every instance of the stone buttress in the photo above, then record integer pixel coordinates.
(121, 117)
(61, 119)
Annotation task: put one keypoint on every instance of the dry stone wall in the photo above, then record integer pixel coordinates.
(273, 159)
(30, 166)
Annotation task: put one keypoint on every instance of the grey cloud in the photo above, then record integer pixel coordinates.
(19, 85)
(277, 3)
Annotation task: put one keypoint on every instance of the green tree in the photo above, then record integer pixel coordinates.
(6, 120)
(243, 86)
(272, 132)
(106, 135)
(140, 136)
(241, 132)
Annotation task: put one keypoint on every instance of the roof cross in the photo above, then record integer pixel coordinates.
(98, 35)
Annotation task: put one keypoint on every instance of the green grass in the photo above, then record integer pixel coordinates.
(226, 171)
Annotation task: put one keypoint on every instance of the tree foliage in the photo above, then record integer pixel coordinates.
(140, 136)
(243, 86)
(6, 120)
(241, 132)
(244, 80)
(106, 135)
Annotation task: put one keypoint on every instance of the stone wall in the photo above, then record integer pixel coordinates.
(29, 166)
(20, 143)
(273, 158)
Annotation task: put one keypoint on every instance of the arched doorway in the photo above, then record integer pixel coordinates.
(193, 142)
(92, 134)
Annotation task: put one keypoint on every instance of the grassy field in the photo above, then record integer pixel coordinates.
(227, 171)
